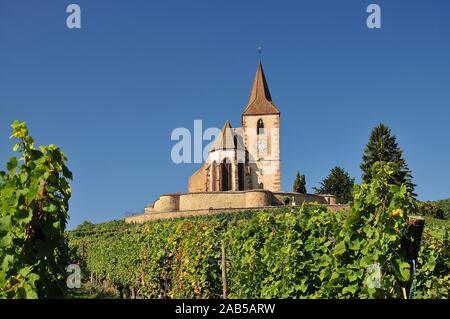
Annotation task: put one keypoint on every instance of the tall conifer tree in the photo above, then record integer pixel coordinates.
(382, 146)
(299, 184)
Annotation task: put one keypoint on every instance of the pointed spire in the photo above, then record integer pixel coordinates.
(260, 101)
(260, 87)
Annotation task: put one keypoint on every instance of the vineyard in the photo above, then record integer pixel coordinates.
(293, 252)
(304, 252)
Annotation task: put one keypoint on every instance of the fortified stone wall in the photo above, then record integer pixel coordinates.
(211, 200)
(167, 203)
(278, 198)
(172, 215)
(196, 201)
(192, 204)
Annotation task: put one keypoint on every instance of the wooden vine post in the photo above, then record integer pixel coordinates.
(224, 272)
(411, 245)
(414, 231)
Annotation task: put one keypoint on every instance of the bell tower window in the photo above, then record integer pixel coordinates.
(260, 129)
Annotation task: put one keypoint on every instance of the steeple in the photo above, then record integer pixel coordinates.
(260, 101)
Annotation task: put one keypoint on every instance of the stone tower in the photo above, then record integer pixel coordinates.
(261, 126)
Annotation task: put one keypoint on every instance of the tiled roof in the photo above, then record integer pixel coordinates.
(225, 139)
(260, 101)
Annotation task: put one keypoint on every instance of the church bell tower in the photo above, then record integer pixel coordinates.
(261, 125)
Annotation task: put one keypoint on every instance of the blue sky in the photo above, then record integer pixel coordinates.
(111, 93)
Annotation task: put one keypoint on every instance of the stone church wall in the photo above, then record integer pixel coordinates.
(197, 181)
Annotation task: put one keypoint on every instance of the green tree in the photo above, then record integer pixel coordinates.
(445, 205)
(86, 225)
(429, 208)
(299, 184)
(382, 146)
(34, 196)
(338, 183)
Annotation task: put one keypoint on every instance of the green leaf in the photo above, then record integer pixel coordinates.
(25, 271)
(354, 244)
(352, 276)
(403, 190)
(32, 193)
(23, 216)
(6, 262)
(5, 223)
(51, 208)
(30, 291)
(23, 177)
(12, 164)
(8, 191)
(350, 289)
(365, 261)
(19, 129)
(6, 240)
(404, 270)
(339, 249)
(57, 225)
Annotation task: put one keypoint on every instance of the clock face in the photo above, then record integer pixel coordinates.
(262, 146)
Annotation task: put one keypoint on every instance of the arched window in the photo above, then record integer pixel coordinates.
(260, 130)
(241, 176)
(226, 175)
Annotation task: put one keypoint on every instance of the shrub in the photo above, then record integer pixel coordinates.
(431, 209)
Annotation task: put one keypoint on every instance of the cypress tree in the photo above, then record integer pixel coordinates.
(299, 184)
(382, 146)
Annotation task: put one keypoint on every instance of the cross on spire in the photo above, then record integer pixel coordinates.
(260, 52)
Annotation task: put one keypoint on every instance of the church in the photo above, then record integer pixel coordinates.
(242, 170)
(248, 157)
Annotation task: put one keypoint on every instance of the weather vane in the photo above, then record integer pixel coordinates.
(260, 51)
